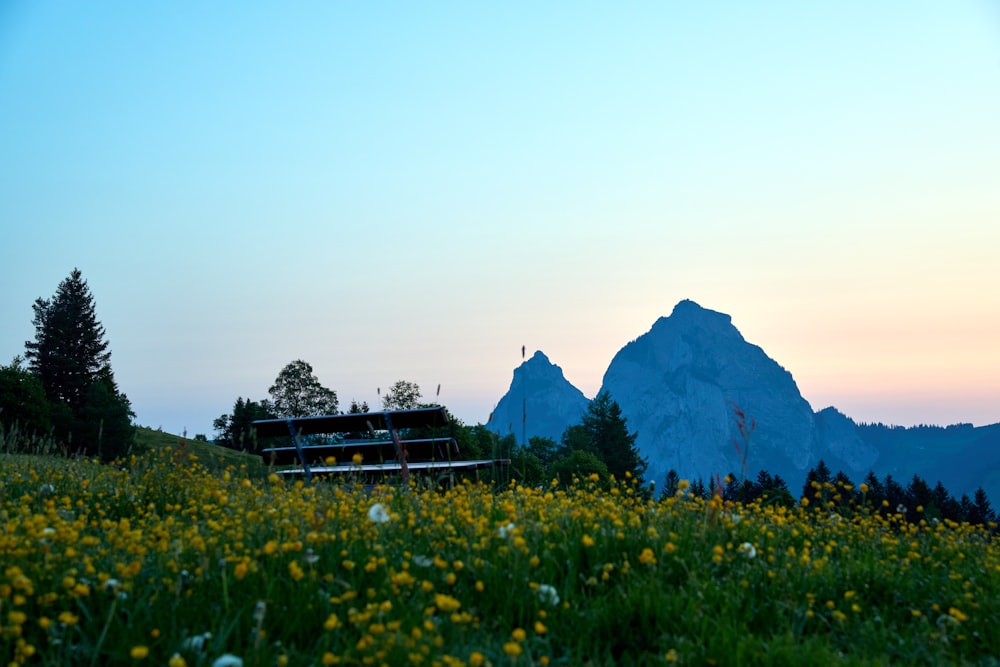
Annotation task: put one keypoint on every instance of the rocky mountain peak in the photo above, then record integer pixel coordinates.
(539, 402)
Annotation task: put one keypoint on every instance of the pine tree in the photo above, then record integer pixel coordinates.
(815, 479)
(982, 512)
(609, 433)
(69, 349)
(71, 359)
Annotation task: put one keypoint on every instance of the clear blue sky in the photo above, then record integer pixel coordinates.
(415, 190)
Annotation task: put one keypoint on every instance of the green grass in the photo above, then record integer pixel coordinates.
(105, 565)
(147, 439)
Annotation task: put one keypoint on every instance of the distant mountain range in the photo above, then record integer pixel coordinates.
(679, 383)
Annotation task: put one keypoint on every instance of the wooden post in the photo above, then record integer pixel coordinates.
(298, 449)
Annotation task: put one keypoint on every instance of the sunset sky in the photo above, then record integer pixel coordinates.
(405, 190)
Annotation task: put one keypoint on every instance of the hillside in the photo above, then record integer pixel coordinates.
(147, 439)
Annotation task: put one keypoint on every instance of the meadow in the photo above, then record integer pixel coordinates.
(164, 560)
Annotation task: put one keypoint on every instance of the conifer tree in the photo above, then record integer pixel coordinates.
(609, 433)
(71, 359)
(69, 349)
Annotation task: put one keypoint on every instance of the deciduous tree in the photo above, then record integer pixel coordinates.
(23, 404)
(296, 392)
(402, 395)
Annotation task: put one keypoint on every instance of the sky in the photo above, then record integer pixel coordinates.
(403, 190)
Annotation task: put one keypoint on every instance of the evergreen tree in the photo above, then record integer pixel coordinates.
(69, 349)
(981, 511)
(815, 479)
(918, 495)
(71, 359)
(946, 504)
(671, 484)
(895, 496)
(609, 433)
(235, 430)
(876, 490)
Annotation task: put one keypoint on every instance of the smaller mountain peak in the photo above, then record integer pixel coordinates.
(686, 305)
(539, 356)
(688, 309)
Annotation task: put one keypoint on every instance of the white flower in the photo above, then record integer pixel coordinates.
(901, 508)
(748, 550)
(734, 518)
(548, 595)
(228, 660)
(259, 611)
(197, 643)
(378, 514)
(422, 561)
(46, 490)
(506, 530)
(310, 557)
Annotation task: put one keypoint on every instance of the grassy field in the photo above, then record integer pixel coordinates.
(162, 561)
(210, 455)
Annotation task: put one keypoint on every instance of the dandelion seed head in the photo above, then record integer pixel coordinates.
(378, 514)
(548, 595)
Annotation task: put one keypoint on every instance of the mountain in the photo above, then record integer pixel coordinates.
(540, 402)
(679, 386)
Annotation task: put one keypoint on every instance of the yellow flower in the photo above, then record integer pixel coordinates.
(588, 541)
(647, 557)
(139, 652)
(540, 628)
(446, 603)
(68, 618)
(513, 649)
(476, 659)
(357, 459)
(518, 635)
(176, 660)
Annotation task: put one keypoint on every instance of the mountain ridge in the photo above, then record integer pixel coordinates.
(678, 384)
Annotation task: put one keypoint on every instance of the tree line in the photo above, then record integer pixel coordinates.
(916, 500)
